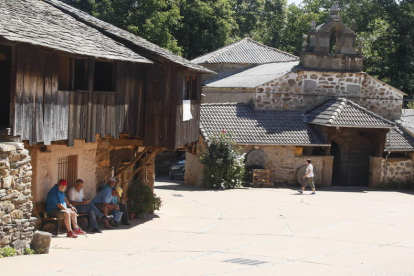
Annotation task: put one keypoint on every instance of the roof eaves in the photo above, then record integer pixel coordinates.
(126, 36)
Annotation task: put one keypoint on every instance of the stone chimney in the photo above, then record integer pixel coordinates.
(332, 46)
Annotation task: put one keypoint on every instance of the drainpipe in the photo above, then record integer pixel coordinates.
(386, 167)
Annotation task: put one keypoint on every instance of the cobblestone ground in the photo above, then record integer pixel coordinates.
(245, 232)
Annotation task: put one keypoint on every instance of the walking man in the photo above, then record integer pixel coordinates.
(309, 178)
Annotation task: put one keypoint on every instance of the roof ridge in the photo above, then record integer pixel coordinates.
(339, 110)
(225, 49)
(370, 112)
(272, 48)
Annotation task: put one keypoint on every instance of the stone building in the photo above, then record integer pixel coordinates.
(82, 98)
(364, 139)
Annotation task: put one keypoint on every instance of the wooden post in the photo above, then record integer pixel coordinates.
(90, 137)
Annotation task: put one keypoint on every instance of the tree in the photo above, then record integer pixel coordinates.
(205, 26)
(154, 20)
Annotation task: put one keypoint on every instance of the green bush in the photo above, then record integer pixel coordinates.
(29, 251)
(142, 200)
(7, 252)
(223, 164)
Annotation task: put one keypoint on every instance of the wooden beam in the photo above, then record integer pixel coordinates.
(131, 163)
(90, 137)
(152, 155)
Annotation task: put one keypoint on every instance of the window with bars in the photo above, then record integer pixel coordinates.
(68, 169)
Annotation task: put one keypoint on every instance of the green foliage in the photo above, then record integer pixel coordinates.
(29, 251)
(7, 252)
(142, 200)
(196, 27)
(223, 164)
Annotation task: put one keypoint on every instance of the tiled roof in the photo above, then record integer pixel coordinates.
(399, 140)
(38, 23)
(246, 51)
(345, 113)
(126, 36)
(257, 127)
(253, 77)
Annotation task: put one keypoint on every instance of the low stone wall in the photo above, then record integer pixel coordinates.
(283, 163)
(397, 170)
(16, 223)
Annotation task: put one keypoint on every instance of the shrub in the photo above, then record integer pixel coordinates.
(29, 251)
(223, 164)
(142, 200)
(7, 251)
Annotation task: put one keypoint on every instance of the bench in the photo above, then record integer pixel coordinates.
(41, 208)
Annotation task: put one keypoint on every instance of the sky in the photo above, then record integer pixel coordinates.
(297, 2)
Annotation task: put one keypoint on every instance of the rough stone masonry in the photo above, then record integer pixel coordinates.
(16, 223)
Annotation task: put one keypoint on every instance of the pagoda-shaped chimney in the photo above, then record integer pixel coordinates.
(332, 46)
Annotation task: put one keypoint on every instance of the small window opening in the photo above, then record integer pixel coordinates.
(318, 151)
(332, 42)
(68, 169)
(104, 76)
(190, 88)
(5, 84)
(65, 73)
(81, 75)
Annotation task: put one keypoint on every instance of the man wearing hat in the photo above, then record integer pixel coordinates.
(104, 202)
(122, 207)
(58, 206)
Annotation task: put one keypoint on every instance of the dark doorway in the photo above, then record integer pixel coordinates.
(5, 84)
(351, 165)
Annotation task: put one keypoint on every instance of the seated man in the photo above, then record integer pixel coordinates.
(103, 201)
(77, 199)
(57, 207)
(122, 207)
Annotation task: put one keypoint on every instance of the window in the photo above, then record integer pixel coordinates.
(73, 75)
(65, 73)
(104, 76)
(190, 88)
(68, 169)
(81, 79)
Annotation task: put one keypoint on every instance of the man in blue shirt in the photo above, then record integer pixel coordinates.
(123, 208)
(57, 207)
(104, 202)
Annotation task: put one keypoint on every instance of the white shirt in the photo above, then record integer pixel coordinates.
(309, 171)
(75, 196)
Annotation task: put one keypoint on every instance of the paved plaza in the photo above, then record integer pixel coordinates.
(245, 232)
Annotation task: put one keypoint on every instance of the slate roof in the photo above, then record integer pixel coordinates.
(38, 23)
(257, 127)
(399, 140)
(253, 77)
(125, 35)
(345, 113)
(245, 51)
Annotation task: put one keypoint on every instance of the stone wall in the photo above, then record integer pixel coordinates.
(397, 170)
(16, 223)
(282, 161)
(301, 89)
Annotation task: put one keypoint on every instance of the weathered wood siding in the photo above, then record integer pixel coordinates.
(40, 110)
(187, 131)
(42, 113)
(164, 126)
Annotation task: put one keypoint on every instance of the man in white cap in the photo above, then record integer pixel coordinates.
(122, 207)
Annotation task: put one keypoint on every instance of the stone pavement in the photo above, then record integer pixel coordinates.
(245, 232)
